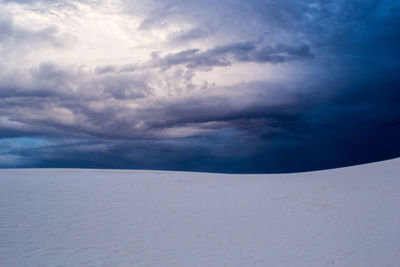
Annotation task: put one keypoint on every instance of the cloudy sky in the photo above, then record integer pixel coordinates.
(235, 86)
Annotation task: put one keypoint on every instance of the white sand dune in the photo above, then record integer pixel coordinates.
(340, 217)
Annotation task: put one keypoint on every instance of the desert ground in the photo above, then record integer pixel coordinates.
(72, 217)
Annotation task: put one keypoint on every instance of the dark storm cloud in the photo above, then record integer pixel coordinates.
(221, 108)
(289, 136)
(345, 110)
(238, 52)
(61, 104)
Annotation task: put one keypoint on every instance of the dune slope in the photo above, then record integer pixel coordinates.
(341, 217)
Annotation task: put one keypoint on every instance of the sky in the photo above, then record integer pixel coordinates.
(256, 86)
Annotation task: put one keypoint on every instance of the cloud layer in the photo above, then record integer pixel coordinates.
(233, 86)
